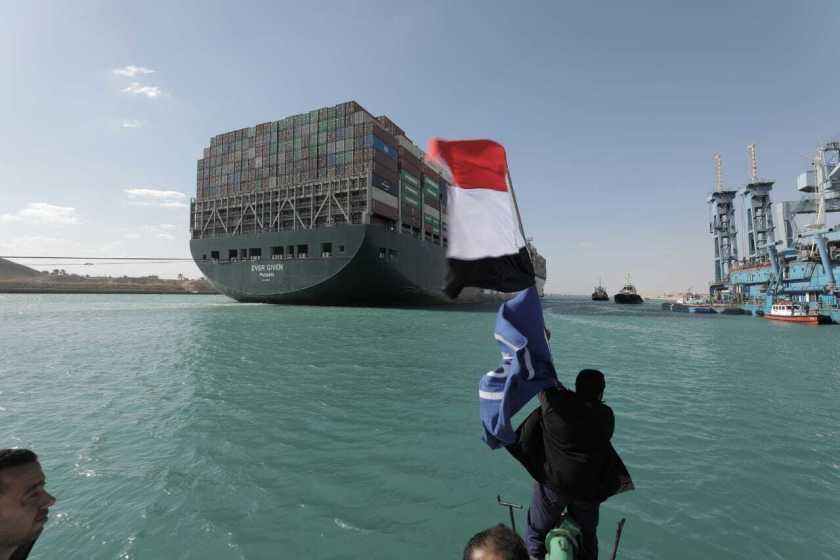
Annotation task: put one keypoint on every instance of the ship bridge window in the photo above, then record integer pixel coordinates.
(255, 253)
(290, 252)
(232, 254)
(326, 249)
(276, 253)
(302, 251)
(243, 254)
(214, 255)
(382, 252)
(341, 248)
(393, 255)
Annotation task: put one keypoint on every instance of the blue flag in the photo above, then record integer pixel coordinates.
(526, 368)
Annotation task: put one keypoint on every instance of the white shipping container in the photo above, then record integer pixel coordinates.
(382, 196)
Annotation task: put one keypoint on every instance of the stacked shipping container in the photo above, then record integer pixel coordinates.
(411, 173)
(329, 166)
(330, 142)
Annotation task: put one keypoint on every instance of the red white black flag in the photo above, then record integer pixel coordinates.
(486, 247)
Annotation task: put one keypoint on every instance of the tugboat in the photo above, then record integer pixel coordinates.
(628, 293)
(791, 312)
(600, 294)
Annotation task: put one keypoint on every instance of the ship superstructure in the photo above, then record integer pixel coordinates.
(334, 206)
(791, 254)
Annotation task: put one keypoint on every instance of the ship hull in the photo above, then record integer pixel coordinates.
(627, 298)
(367, 265)
(730, 310)
(689, 308)
(803, 320)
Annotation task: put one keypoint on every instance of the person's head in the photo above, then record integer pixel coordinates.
(24, 501)
(496, 543)
(590, 385)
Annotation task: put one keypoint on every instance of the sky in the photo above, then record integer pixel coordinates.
(610, 113)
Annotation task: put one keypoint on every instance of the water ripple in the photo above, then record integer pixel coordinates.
(193, 427)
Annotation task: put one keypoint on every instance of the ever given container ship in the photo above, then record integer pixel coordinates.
(330, 207)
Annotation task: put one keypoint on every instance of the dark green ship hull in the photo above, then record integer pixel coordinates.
(368, 265)
(628, 298)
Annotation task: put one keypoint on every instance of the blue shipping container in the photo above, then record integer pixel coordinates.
(390, 151)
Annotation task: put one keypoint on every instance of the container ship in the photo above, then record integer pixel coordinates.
(791, 256)
(330, 207)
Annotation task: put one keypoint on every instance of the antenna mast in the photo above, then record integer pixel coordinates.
(753, 163)
(718, 173)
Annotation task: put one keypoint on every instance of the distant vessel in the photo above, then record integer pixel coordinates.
(795, 313)
(732, 310)
(628, 293)
(690, 303)
(682, 308)
(600, 294)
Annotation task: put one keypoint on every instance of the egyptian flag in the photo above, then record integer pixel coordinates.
(486, 245)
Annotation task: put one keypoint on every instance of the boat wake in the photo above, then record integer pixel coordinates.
(341, 524)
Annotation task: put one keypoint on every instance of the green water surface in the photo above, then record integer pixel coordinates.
(194, 427)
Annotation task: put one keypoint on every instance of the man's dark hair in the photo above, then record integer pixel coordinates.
(13, 458)
(501, 540)
(590, 384)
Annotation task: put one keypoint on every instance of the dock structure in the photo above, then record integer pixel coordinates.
(722, 225)
(783, 260)
(759, 216)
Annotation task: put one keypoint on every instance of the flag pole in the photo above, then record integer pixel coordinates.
(519, 217)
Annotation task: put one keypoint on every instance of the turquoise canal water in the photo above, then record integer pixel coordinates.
(194, 427)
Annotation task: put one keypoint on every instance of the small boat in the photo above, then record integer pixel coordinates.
(693, 303)
(600, 294)
(679, 307)
(733, 310)
(792, 312)
(628, 293)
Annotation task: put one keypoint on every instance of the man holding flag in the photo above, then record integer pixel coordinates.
(487, 249)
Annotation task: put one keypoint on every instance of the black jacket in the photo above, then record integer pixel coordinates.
(22, 552)
(565, 444)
